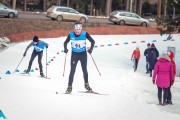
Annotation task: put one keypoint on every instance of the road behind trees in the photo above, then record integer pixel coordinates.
(42, 16)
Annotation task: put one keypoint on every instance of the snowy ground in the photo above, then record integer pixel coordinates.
(131, 95)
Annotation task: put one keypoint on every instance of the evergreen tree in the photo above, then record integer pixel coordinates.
(172, 23)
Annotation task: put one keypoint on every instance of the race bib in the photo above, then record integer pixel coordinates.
(78, 44)
(38, 49)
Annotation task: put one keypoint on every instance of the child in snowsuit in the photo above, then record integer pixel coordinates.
(136, 56)
(163, 76)
(169, 97)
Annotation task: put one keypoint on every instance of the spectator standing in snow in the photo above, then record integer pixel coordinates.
(136, 56)
(38, 51)
(78, 44)
(146, 55)
(169, 97)
(163, 76)
(153, 54)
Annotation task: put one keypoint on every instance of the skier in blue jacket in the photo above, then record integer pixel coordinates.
(78, 44)
(38, 51)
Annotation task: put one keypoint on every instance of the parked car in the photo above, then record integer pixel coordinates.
(7, 12)
(65, 13)
(123, 17)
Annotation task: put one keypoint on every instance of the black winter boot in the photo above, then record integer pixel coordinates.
(27, 71)
(69, 90)
(88, 88)
(42, 74)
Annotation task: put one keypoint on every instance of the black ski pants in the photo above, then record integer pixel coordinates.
(169, 94)
(34, 54)
(75, 57)
(135, 64)
(165, 94)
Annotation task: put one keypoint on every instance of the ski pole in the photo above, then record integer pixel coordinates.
(46, 63)
(95, 64)
(18, 64)
(64, 65)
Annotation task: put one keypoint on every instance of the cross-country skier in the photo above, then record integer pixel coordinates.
(38, 51)
(78, 44)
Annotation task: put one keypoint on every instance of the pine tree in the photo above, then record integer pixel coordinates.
(170, 24)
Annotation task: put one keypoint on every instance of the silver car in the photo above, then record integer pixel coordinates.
(7, 12)
(65, 13)
(122, 18)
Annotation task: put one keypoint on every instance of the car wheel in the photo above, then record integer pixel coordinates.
(122, 22)
(144, 24)
(11, 15)
(59, 18)
(83, 20)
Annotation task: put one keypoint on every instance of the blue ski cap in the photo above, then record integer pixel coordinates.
(77, 26)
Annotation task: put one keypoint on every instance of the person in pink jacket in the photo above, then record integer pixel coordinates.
(163, 76)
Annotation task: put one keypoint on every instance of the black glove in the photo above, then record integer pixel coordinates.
(66, 50)
(47, 46)
(24, 54)
(89, 51)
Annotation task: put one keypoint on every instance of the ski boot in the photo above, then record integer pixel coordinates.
(27, 71)
(69, 90)
(42, 75)
(88, 88)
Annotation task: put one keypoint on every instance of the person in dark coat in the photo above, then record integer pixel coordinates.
(153, 54)
(146, 55)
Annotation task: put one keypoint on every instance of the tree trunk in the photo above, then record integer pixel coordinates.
(44, 5)
(14, 4)
(107, 7)
(58, 2)
(165, 9)
(140, 7)
(110, 6)
(67, 3)
(135, 6)
(159, 9)
(25, 5)
(127, 5)
(130, 5)
(91, 8)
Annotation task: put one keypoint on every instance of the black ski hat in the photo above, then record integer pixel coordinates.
(35, 39)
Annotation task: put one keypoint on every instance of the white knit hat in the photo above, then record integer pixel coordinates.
(165, 52)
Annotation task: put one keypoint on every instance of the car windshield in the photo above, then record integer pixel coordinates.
(3, 6)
